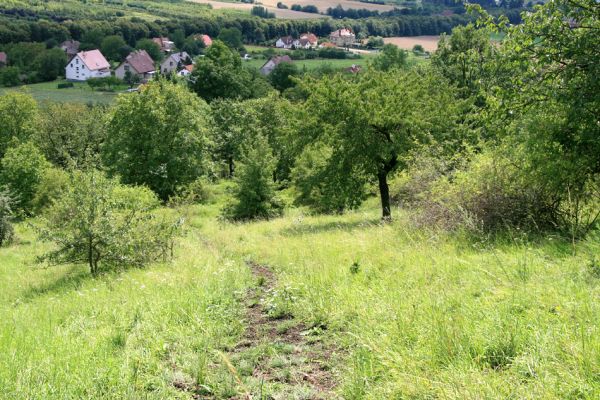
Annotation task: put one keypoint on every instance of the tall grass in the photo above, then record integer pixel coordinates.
(417, 314)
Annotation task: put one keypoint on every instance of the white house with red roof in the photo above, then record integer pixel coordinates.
(86, 65)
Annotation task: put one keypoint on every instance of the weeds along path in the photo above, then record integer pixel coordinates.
(278, 357)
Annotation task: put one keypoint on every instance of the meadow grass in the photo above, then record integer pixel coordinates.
(417, 313)
(79, 93)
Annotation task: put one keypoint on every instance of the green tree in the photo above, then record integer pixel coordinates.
(255, 193)
(111, 47)
(391, 57)
(282, 76)
(158, 137)
(10, 76)
(19, 118)
(151, 48)
(22, 169)
(70, 135)
(101, 223)
(220, 75)
(232, 37)
(369, 124)
(463, 58)
(51, 64)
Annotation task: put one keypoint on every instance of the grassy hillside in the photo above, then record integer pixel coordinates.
(392, 311)
(79, 93)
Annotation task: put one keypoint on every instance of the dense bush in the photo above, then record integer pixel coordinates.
(6, 228)
(53, 183)
(105, 225)
(22, 170)
(19, 118)
(197, 192)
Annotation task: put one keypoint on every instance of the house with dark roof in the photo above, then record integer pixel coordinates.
(342, 37)
(165, 45)
(86, 65)
(70, 47)
(286, 42)
(138, 63)
(309, 39)
(174, 62)
(270, 65)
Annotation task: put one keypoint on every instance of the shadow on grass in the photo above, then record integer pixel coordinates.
(72, 280)
(308, 229)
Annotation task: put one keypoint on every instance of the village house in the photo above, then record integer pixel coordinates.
(137, 63)
(205, 39)
(165, 45)
(3, 59)
(70, 47)
(286, 42)
(342, 37)
(270, 65)
(354, 69)
(174, 62)
(86, 65)
(186, 70)
(311, 38)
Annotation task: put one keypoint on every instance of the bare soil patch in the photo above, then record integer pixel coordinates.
(429, 43)
(323, 5)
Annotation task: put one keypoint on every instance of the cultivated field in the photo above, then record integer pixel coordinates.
(279, 13)
(307, 307)
(429, 43)
(323, 5)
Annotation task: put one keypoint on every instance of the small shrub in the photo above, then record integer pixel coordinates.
(53, 183)
(64, 85)
(101, 223)
(197, 192)
(6, 228)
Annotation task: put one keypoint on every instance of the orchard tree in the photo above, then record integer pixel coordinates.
(19, 118)
(220, 75)
(151, 48)
(391, 57)
(282, 76)
(51, 64)
(112, 47)
(158, 137)
(370, 123)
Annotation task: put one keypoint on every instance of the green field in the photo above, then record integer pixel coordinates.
(388, 311)
(80, 93)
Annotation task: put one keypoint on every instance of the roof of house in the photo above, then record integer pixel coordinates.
(327, 44)
(288, 40)
(354, 69)
(278, 60)
(341, 33)
(140, 61)
(205, 38)
(178, 57)
(304, 41)
(312, 38)
(70, 46)
(163, 42)
(93, 59)
(3, 57)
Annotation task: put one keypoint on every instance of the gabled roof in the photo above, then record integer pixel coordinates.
(312, 38)
(140, 61)
(179, 57)
(304, 41)
(287, 40)
(344, 32)
(278, 60)
(205, 39)
(163, 42)
(70, 46)
(3, 57)
(93, 59)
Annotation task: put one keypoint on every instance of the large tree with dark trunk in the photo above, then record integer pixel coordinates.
(370, 123)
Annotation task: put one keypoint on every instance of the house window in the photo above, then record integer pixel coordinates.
(171, 63)
(126, 68)
(77, 61)
(71, 65)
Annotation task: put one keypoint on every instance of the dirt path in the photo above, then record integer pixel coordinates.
(283, 358)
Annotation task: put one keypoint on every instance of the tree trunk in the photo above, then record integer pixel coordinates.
(230, 162)
(384, 192)
(91, 255)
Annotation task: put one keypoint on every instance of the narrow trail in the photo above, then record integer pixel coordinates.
(288, 361)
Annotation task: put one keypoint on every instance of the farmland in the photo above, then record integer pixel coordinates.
(429, 43)
(238, 6)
